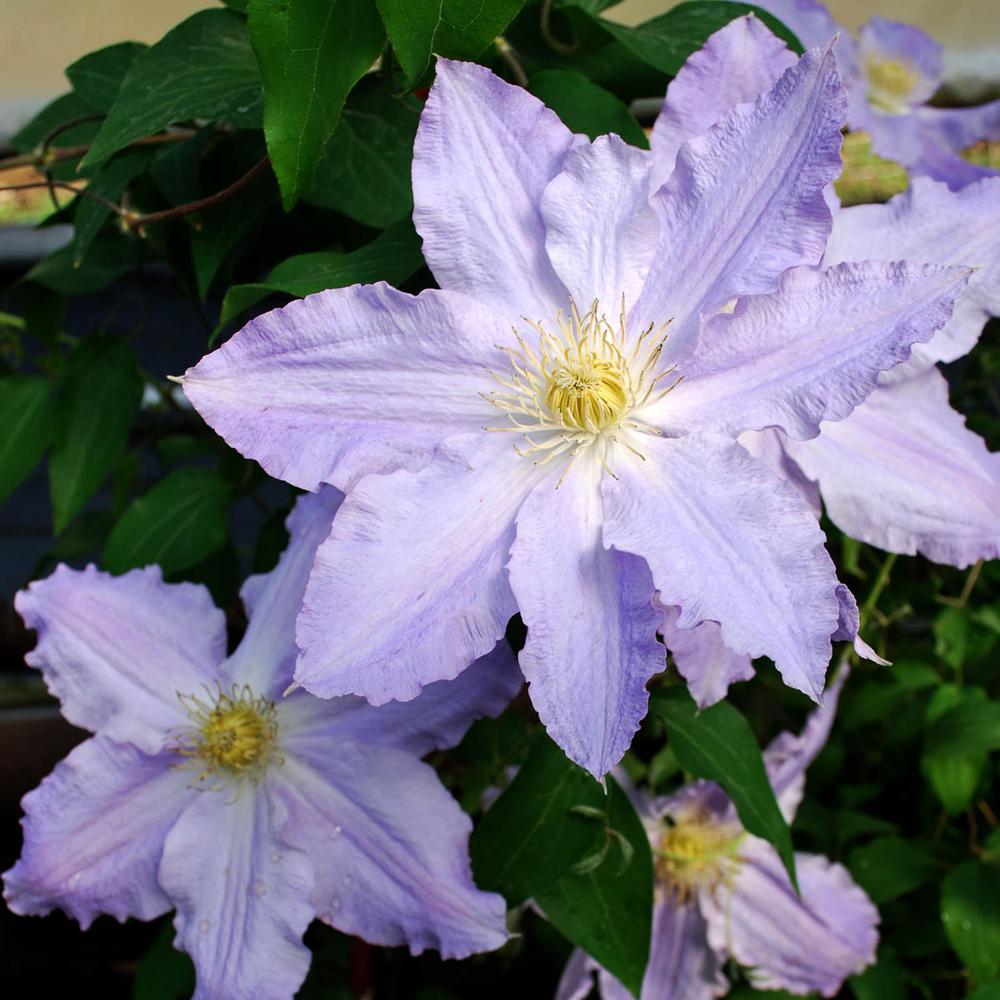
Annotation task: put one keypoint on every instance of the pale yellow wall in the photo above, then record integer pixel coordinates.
(39, 37)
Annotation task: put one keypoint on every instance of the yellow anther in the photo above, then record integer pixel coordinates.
(234, 735)
(696, 853)
(588, 394)
(579, 382)
(890, 84)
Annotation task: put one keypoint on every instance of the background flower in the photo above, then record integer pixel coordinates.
(722, 893)
(891, 72)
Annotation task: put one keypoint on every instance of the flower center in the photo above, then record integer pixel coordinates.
(587, 393)
(696, 853)
(890, 83)
(234, 734)
(579, 383)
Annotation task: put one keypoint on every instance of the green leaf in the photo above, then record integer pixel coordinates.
(365, 169)
(393, 256)
(107, 259)
(988, 617)
(311, 53)
(953, 774)
(879, 698)
(953, 778)
(971, 728)
(586, 108)
(970, 910)
(882, 981)
(988, 991)
(951, 636)
(890, 867)
(719, 745)
(203, 68)
(608, 911)
(225, 226)
(531, 836)
(176, 169)
(163, 973)
(666, 41)
(457, 29)
(98, 397)
(97, 77)
(26, 418)
(179, 522)
(596, 53)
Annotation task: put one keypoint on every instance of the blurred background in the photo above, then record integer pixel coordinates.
(39, 37)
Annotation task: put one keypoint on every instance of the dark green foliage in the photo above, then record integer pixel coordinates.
(365, 168)
(604, 903)
(457, 29)
(311, 54)
(535, 832)
(585, 107)
(26, 416)
(98, 395)
(177, 524)
(203, 68)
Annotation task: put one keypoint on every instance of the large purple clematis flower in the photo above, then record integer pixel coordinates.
(723, 894)
(902, 471)
(203, 790)
(554, 432)
(891, 71)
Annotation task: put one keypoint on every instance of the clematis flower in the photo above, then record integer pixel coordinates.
(901, 472)
(554, 430)
(722, 893)
(204, 791)
(891, 72)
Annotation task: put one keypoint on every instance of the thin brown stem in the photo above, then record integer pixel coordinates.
(970, 583)
(509, 56)
(137, 221)
(545, 27)
(66, 126)
(45, 157)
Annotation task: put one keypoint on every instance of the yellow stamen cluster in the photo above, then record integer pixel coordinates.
(580, 384)
(234, 734)
(696, 853)
(588, 393)
(890, 84)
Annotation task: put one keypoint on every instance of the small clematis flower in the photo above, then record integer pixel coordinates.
(723, 894)
(554, 431)
(902, 471)
(891, 72)
(205, 791)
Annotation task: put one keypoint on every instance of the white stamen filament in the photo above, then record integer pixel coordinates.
(579, 387)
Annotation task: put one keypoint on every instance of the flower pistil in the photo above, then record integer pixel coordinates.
(696, 853)
(579, 385)
(234, 734)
